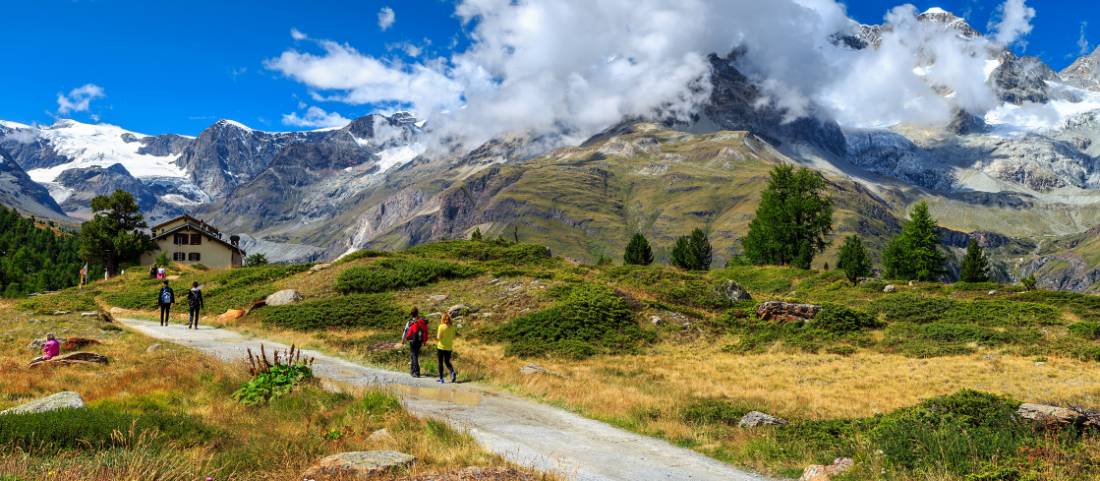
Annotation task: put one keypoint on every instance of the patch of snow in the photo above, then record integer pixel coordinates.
(1009, 119)
(398, 156)
(177, 199)
(101, 145)
(13, 125)
(991, 65)
(361, 142)
(59, 192)
(235, 124)
(936, 11)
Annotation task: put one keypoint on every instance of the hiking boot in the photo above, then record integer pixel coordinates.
(440, 381)
(453, 376)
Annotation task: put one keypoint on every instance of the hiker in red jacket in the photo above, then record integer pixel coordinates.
(417, 335)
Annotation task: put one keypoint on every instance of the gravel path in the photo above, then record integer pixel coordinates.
(525, 432)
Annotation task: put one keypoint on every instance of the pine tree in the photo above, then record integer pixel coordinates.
(792, 221)
(115, 235)
(476, 235)
(693, 252)
(854, 260)
(915, 253)
(638, 251)
(975, 266)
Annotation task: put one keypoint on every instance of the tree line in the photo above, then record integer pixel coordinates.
(792, 225)
(35, 258)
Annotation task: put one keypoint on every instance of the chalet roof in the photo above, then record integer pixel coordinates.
(199, 224)
(197, 227)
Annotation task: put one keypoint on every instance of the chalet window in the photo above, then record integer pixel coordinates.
(196, 239)
(194, 257)
(179, 256)
(180, 239)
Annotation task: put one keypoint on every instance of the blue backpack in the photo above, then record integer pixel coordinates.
(165, 296)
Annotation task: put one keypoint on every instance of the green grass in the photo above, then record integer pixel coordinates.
(97, 427)
(222, 290)
(506, 252)
(399, 273)
(72, 300)
(833, 327)
(355, 310)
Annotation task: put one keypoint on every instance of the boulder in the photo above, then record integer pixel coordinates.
(72, 358)
(786, 311)
(61, 400)
(284, 297)
(754, 419)
(437, 297)
(152, 348)
(231, 315)
(1050, 415)
(358, 465)
(820, 472)
(60, 313)
(458, 310)
(890, 288)
(733, 292)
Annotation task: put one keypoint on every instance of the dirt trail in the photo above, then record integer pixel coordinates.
(525, 432)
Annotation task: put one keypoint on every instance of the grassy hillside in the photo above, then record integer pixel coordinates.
(667, 353)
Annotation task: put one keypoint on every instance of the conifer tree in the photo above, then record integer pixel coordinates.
(975, 266)
(638, 251)
(115, 235)
(693, 252)
(792, 221)
(854, 260)
(476, 235)
(915, 253)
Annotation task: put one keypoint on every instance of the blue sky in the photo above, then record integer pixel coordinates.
(179, 66)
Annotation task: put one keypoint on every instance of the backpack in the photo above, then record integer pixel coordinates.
(165, 296)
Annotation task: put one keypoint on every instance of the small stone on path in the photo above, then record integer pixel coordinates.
(61, 400)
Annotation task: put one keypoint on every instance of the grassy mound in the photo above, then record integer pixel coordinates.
(834, 326)
(507, 252)
(399, 273)
(222, 289)
(590, 319)
(96, 427)
(72, 300)
(356, 310)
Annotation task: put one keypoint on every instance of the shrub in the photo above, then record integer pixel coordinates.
(840, 320)
(356, 310)
(906, 307)
(712, 411)
(509, 253)
(920, 309)
(95, 427)
(361, 254)
(399, 273)
(590, 319)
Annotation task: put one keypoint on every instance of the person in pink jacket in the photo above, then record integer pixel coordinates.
(51, 348)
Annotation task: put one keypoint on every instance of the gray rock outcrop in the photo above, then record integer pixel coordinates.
(61, 400)
(358, 465)
(284, 297)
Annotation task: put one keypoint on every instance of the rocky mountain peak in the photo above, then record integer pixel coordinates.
(1084, 72)
(950, 20)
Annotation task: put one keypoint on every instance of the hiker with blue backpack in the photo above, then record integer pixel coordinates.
(165, 299)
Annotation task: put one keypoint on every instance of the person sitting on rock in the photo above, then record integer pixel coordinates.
(51, 348)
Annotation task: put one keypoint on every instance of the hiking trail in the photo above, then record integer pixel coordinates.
(523, 431)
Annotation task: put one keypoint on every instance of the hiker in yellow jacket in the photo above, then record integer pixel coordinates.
(444, 344)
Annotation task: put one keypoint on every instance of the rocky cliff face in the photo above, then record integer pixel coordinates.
(18, 191)
(1084, 72)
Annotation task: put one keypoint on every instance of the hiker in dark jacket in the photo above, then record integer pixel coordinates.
(194, 304)
(417, 335)
(165, 298)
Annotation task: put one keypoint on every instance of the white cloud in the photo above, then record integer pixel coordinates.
(297, 34)
(386, 18)
(575, 67)
(1083, 40)
(1014, 23)
(79, 99)
(315, 117)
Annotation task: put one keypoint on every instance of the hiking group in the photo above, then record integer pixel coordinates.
(416, 333)
(166, 297)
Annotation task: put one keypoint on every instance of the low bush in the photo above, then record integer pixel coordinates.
(950, 338)
(714, 411)
(834, 325)
(362, 254)
(1083, 305)
(355, 310)
(72, 300)
(905, 307)
(399, 273)
(919, 309)
(97, 427)
(590, 319)
(841, 320)
(1085, 329)
(507, 252)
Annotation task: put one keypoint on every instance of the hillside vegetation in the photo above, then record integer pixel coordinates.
(35, 258)
(917, 383)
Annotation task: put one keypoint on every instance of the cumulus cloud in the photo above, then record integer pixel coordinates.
(386, 18)
(315, 117)
(297, 34)
(574, 67)
(1015, 22)
(79, 99)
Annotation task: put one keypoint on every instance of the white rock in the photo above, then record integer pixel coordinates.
(890, 288)
(61, 400)
(284, 297)
(437, 297)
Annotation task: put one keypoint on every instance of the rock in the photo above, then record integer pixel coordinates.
(912, 283)
(533, 369)
(458, 310)
(734, 292)
(819, 472)
(754, 419)
(786, 311)
(1049, 415)
(36, 345)
(320, 267)
(61, 400)
(656, 320)
(60, 313)
(284, 297)
(152, 348)
(493, 281)
(890, 288)
(73, 358)
(231, 315)
(89, 314)
(437, 297)
(76, 343)
(380, 436)
(992, 293)
(358, 465)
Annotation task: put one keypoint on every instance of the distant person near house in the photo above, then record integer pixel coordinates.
(162, 273)
(416, 333)
(51, 348)
(153, 271)
(194, 305)
(444, 343)
(165, 299)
